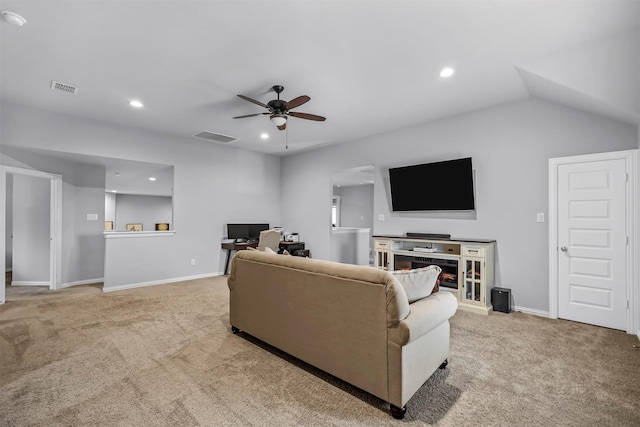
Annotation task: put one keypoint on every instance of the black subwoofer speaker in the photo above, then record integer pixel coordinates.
(501, 299)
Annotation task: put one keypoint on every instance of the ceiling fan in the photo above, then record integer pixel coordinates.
(279, 110)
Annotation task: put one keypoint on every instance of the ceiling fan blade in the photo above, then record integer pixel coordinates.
(246, 98)
(307, 116)
(283, 127)
(296, 102)
(249, 115)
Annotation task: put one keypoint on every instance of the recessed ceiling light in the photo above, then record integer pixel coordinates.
(113, 191)
(13, 18)
(136, 104)
(264, 136)
(151, 178)
(447, 72)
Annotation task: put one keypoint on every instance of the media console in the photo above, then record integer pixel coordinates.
(467, 264)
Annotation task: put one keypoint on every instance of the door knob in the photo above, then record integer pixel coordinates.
(563, 249)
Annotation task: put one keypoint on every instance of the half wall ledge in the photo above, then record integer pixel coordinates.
(132, 234)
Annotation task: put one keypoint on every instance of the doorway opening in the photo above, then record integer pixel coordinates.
(47, 242)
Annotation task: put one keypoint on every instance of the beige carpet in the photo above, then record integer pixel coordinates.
(164, 356)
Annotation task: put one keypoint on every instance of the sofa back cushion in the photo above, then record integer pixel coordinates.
(397, 304)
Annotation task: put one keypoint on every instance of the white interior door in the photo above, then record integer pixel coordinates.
(592, 242)
(31, 255)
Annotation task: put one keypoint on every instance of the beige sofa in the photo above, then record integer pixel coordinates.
(354, 322)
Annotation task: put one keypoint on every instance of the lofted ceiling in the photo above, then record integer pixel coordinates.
(368, 67)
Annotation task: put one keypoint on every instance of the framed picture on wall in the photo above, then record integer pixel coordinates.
(134, 227)
(108, 225)
(162, 226)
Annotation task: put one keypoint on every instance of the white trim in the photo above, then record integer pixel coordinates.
(130, 234)
(632, 230)
(349, 230)
(553, 238)
(81, 282)
(47, 284)
(55, 249)
(633, 193)
(3, 227)
(533, 311)
(159, 282)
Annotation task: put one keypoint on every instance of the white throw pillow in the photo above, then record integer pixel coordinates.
(269, 250)
(418, 283)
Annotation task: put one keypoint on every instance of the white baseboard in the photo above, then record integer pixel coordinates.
(531, 311)
(158, 282)
(81, 282)
(16, 283)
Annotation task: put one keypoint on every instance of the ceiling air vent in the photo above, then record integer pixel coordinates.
(217, 137)
(63, 87)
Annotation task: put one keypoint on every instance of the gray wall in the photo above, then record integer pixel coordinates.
(31, 230)
(209, 191)
(145, 210)
(356, 206)
(110, 207)
(510, 146)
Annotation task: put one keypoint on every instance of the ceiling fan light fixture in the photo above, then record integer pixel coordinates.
(278, 119)
(13, 18)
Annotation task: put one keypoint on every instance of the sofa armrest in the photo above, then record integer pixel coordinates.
(425, 315)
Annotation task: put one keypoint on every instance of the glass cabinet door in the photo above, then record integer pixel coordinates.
(382, 259)
(473, 280)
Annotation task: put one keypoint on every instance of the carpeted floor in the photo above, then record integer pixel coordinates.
(164, 356)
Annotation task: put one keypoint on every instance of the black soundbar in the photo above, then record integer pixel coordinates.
(429, 236)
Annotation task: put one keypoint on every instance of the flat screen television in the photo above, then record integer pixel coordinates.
(245, 231)
(438, 186)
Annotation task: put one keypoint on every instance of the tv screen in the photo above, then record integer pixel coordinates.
(439, 186)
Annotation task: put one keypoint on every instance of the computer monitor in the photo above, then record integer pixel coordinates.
(255, 229)
(237, 231)
(245, 231)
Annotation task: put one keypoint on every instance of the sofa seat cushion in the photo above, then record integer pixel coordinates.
(419, 282)
(426, 314)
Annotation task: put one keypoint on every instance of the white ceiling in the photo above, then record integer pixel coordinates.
(369, 67)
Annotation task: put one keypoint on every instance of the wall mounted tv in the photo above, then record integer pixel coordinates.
(438, 186)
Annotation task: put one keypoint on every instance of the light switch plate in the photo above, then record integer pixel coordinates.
(92, 217)
(380, 217)
(540, 217)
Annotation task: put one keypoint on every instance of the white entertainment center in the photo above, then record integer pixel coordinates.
(467, 264)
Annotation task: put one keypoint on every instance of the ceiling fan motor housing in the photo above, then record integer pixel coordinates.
(278, 105)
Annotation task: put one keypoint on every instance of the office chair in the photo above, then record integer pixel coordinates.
(269, 239)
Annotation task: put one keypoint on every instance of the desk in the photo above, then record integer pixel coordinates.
(291, 247)
(232, 246)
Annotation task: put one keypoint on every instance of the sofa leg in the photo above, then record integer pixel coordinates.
(234, 329)
(398, 413)
(444, 364)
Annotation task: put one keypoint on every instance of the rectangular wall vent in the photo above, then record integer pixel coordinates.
(205, 134)
(63, 87)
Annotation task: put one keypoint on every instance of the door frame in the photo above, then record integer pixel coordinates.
(55, 222)
(631, 226)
